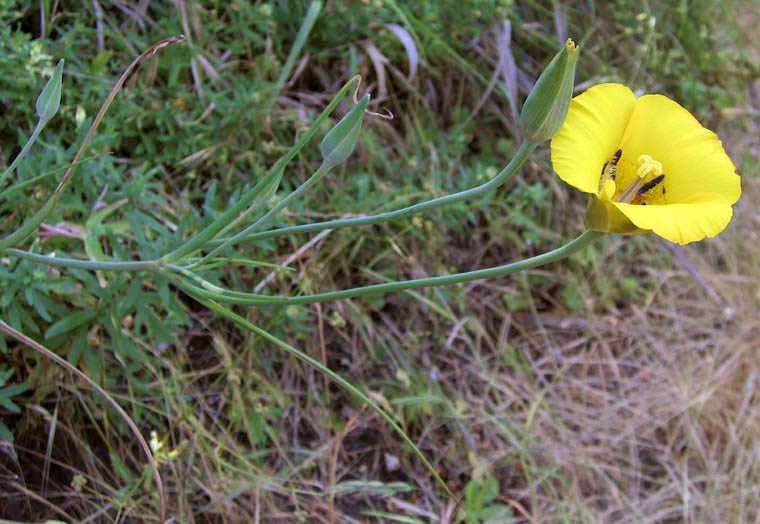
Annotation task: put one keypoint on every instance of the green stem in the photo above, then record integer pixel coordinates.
(149, 265)
(316, 177)
(523, 153)
(235, 297)
(201, 239)
(32, 138)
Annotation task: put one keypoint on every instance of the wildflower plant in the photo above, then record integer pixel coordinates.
(646, 162)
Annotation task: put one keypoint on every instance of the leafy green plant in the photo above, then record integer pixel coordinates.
(23, 62)
(481, 506)
(6, 395)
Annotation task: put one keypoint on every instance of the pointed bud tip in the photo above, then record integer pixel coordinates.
(545, 109)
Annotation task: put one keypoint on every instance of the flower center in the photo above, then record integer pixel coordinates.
(637, 191)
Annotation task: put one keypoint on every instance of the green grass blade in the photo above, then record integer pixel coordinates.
(303, 33)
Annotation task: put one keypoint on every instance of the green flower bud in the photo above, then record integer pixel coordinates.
(50, 98)
(341, 139)
(545, 109)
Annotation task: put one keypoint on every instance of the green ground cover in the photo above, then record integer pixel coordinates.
(616, 386)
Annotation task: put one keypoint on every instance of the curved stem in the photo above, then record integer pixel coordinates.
(565, 251)
(148, 265)
(523, 153)
(335, 377)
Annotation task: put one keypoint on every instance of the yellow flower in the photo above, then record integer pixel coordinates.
(648, 164)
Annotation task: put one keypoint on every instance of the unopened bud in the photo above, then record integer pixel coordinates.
(546, 107)
(341, 139)
(50, 98)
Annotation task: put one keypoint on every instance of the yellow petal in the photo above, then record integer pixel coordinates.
(692, 157)
(684, 222)
(591, 134)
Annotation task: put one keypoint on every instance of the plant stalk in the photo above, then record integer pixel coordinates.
(235, 297)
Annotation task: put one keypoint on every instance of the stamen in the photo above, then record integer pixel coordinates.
(609, 170)
(631, 191)
(646, 188)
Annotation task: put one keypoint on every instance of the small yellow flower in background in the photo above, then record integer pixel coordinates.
(159, 453)
(648, 164)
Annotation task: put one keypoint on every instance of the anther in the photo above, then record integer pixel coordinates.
(646, 188)
(609, 170)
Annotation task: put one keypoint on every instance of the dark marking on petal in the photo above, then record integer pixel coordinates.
(616, 156)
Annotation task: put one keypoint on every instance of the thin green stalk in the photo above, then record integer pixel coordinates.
(31, 140)
(201, 239)
(149, 265)
(313, 179)
(523, 153)
(343, 383)
(236, 297)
